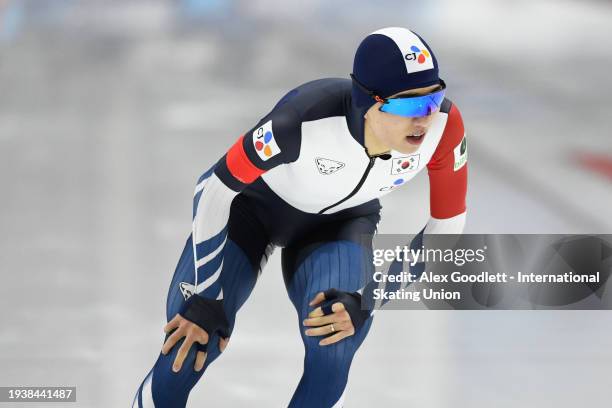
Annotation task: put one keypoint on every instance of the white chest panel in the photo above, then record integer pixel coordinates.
(332, 163)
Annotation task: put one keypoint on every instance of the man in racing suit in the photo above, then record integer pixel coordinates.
(307, 178)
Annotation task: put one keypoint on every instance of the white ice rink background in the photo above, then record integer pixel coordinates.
(110, 110)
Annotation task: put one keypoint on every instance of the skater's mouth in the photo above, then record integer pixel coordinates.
(416, 138)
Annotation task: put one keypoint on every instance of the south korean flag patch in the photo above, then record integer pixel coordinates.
(460, 152)
(405, 164)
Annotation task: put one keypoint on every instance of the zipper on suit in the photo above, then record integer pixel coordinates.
(358, 186)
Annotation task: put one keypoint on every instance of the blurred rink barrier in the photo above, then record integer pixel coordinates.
(110, 109)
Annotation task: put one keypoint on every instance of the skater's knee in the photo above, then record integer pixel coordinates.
(334, 358)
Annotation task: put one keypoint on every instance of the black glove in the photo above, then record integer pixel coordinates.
(351, 302)
(208, 314)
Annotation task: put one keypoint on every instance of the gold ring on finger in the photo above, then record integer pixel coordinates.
(332, 328)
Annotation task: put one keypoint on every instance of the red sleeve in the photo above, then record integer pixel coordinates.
(275, 140)
(448, 170)
(239, 164)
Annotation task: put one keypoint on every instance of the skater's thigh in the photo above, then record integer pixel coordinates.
(337, 255)
(233, 271)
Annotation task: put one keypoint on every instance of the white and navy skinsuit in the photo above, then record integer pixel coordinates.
(301, 179)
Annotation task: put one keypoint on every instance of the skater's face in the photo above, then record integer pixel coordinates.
(400, 133)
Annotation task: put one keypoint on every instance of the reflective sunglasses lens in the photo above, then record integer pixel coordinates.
(414, 106)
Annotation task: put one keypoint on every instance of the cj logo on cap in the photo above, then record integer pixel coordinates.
(263, 140)
(420, 55)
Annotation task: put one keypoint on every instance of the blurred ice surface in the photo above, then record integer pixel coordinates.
(109, 111)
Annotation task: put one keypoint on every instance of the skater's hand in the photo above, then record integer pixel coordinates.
(339, 322)
(181, 327)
